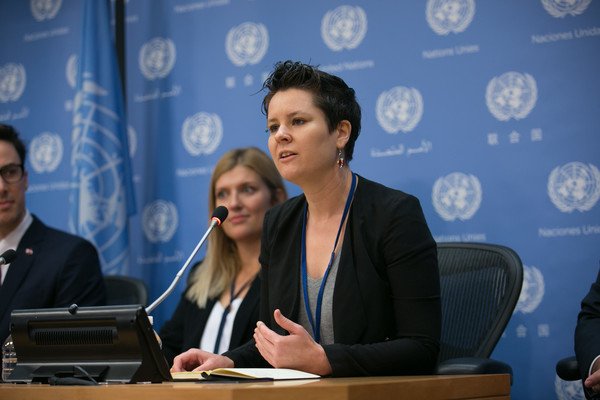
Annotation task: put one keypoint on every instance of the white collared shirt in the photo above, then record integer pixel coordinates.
(11, 241)
(209, 336)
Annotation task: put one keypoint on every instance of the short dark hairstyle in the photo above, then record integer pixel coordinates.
(331, 94)
(10, 134)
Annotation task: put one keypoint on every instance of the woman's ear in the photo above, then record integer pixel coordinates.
(344, 129)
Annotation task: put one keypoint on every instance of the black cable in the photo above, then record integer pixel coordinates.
(71, 380)
(87, 375)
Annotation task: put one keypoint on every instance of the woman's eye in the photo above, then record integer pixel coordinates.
(298, 121)
(248, 189)
(272, 129)
(221, 194)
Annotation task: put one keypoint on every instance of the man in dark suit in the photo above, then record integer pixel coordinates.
(52, 268)
(587, 340)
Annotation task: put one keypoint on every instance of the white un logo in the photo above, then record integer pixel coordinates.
(562, 8)
(46, 152)
(157, 58)
(160, 221)
(202, 133)
(100, 211)
(344, 27)
(12, 82)
(574, 186)
(445, 16)
(532, 291)
(247, 43)
(456, 196)
(399, 109)
(511, 95)
(44, 9)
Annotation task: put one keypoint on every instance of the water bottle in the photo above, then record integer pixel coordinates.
(9, 358)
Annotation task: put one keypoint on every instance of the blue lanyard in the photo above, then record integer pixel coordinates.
(316, 325)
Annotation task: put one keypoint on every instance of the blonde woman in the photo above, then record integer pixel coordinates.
(219, 308)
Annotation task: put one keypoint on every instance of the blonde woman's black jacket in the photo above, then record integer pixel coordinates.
(185, 328)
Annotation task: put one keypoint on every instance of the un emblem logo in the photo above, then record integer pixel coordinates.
(532, 291)
(160, 221)
(344, 27)
(202, 133)
(44, 9)
(574, 186)
(445, 16)
(399, 109)
(99, 199)
(568, 390)
(157, 58)
(12, 82)
(46, 152)
(247, 43)
(511, 95)
(562, 8)
(456, 195)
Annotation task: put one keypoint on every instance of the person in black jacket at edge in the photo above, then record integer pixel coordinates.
(587, 341)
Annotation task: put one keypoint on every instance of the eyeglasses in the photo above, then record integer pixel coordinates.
(12, 173)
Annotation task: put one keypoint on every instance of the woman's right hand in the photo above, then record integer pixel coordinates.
(199, 360)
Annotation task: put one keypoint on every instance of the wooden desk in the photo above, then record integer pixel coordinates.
(489, 387)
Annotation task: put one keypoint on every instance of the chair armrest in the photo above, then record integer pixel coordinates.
(567, 369)
(473, 365)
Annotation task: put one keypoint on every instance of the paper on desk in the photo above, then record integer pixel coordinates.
(245, 373)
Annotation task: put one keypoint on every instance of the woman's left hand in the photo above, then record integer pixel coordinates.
(297, 350)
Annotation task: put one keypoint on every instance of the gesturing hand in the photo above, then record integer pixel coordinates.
(298, 350)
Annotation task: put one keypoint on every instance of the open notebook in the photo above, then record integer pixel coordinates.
(243, 373)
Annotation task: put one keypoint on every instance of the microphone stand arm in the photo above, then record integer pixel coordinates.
(167, 292)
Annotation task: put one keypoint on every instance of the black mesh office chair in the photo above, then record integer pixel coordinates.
(480, 286)
(122, 290)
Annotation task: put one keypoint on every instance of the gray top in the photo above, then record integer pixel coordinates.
(326, 307)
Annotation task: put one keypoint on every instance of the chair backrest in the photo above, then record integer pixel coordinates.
(123, 290)
(480, 286)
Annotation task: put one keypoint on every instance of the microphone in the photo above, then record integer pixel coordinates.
(8, 256)
(218, 217)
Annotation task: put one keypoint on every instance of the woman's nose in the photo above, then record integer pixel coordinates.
(234, 201)
(282, 134)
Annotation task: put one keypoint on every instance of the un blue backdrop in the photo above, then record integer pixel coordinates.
(485, 110)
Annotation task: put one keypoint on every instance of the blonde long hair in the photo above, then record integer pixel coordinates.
(222, 262)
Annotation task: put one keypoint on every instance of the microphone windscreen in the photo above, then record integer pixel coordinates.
(9, 256)
(220, 214)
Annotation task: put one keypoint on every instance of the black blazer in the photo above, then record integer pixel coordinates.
(587, 332)
(52, 269)
(185, 328)
(386, 302)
